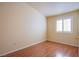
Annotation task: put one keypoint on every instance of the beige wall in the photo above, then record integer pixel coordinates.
(21, 26)
(78, 21)
(66, 38)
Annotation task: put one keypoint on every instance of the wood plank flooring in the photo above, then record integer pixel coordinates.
(46, 49)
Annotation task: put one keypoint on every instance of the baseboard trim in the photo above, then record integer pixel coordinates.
(20, 48)
(61, 43)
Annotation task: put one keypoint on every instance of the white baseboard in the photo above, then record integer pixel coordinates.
(63, 43)
(20, 48)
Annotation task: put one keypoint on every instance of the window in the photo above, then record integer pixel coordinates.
(67, 25)
(59, 26)
(63, 25)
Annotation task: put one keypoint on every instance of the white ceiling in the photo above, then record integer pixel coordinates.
(54, 8)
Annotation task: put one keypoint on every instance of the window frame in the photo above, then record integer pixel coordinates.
(63, 26)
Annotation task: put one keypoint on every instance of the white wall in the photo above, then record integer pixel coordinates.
(21, 26)
(62, 37)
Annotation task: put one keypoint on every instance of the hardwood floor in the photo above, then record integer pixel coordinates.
(46, 49)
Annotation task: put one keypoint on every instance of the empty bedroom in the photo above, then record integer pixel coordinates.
(39, 29)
